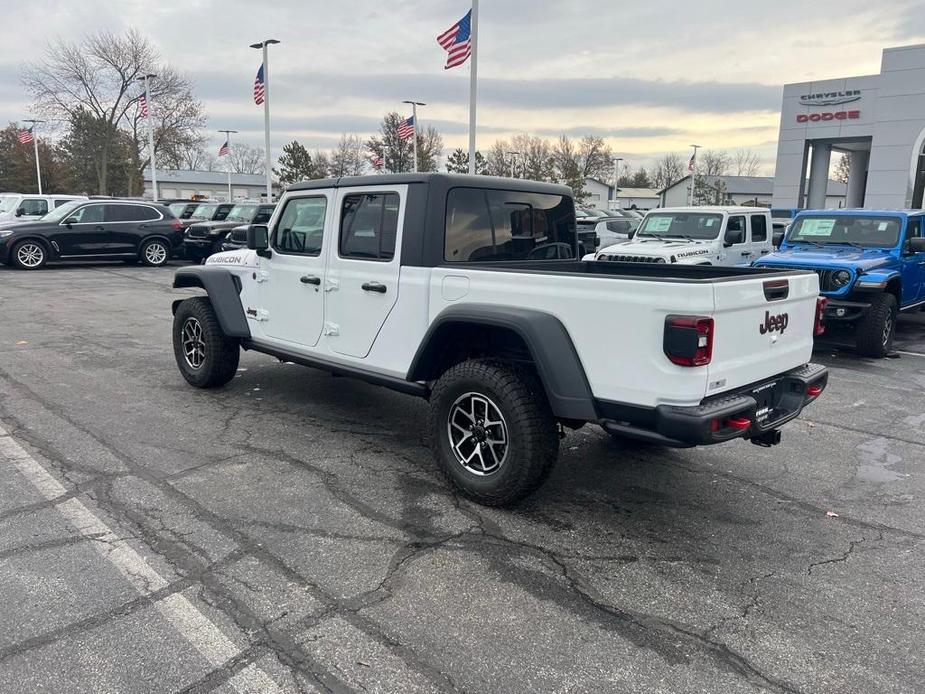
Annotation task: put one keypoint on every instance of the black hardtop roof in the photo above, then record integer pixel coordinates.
(445, 180)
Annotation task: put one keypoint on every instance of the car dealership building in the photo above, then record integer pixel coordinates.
(878, 120)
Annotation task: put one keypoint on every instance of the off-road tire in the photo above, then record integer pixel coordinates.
(532, 433)
(874, 333)
(30, 248)
(146, 255)
(219, 353)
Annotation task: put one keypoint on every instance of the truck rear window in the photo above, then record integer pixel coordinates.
(494, 225)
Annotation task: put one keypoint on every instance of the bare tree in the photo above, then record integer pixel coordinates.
(98, 76)
(669, 169)
(348, 158)
(842, 169)
(246, 159)
(567, 162)
(535, 156)
(430, 148)
(746, 162)
(595, 157)
(713, 162)
(498, 162)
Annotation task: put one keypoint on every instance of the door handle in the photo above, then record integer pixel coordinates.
(310, 279)
(98, 228)
(374, 287)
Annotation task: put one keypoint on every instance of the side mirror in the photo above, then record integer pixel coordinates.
(69, 221)
(917, 244)
(258, 239)
(733, 237)
(20, 212)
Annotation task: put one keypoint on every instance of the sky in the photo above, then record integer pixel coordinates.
(649, 77)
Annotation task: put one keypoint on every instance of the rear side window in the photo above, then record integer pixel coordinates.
(368, 226)
(496, 225)
(300, 229)
(759, 228)
(34, 206)
(130, 213)
(58, 203)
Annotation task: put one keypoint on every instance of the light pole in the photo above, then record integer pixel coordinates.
(514, 155)
(35, 147)
(616, 180)
(228, 134)
(414, 119)
(149, 106)
(693, 170)
(266, 111)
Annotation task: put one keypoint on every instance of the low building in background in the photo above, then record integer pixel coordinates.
(878, 121)
(211, 185)
(635, 199)
(597, 193)
(753, 191)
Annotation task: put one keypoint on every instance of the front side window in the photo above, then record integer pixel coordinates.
(369, 226)
(863, 232)
(497, 225)
(685, 225)
(88, 214)
(759, 228)
(913, 229)
(300, 229)
(34, 206)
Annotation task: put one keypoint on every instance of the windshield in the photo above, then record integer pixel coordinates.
(204, 211)
(241, 213)
(177, 208)
(867, 232)
(8, 203)
(61, 212)
(689, 225)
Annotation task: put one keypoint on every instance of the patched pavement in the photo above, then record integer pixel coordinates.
(289, 532)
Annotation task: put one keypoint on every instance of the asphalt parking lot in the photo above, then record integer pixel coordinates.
(289, 533)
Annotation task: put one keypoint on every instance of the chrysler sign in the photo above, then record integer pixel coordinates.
(831, 98)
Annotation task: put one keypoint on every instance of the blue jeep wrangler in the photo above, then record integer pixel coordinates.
(871, 265)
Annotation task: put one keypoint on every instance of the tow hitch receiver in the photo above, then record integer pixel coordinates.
(767, 439)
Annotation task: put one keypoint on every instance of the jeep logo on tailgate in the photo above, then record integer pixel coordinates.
(772, 324)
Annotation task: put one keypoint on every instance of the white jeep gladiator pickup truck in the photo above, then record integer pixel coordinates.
(697, 236)
(468, 291)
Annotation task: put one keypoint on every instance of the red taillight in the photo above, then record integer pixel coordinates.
(176, 225)
(819, 328)
(689, 340)
(814, 391)
(738, 423)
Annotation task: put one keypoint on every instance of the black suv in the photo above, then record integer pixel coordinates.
(205, 238)
(94, 230)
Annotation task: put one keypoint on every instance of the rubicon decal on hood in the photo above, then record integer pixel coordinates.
(688, 254)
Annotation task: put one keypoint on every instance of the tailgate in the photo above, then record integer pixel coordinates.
(763, 326)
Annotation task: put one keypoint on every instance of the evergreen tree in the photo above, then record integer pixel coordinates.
(295, 165)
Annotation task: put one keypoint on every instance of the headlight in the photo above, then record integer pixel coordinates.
(840, 278)
(5, 232)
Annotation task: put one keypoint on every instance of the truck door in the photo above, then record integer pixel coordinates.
(739, 253)
(913, 267)
(363, 267)
(291, 297)
(760, 238)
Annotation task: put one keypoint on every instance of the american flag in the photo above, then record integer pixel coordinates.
(692, 162)
(378, 163)
(225, 149)
(26, 137)
(456, 41)
(259, 92)
(406, 129)
(143, 104)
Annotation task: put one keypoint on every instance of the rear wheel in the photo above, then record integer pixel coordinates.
(29, 255)
(874, 333)
(155, 253)
(493, 434)
(206, 357)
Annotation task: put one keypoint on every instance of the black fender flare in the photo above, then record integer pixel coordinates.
(224, 290)
(557, 362)
(41, 240)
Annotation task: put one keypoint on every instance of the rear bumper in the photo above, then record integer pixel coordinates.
(752, 412)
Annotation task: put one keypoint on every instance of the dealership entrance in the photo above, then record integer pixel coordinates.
(877, 121)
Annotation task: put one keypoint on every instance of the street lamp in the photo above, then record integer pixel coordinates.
(149, 107)
(228, 134)
(414, 122)
(514, 154)
(35, 147)
(266, 111)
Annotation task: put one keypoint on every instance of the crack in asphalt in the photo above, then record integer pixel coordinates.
(852, 545)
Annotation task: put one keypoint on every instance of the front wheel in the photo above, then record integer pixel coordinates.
(874, 334)
(206, 357)
(493, 434)
(28, 255)
(155, 253)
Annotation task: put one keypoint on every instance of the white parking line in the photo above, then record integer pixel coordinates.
(910, 354)
(203, 634)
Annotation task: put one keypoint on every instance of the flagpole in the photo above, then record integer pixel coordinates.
(149, 102)
(228, 164)
(35, 148)
(414, 119)
(693, 174)
(473, 82)
(266, 112)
